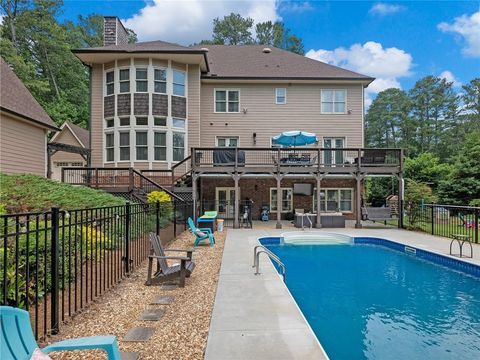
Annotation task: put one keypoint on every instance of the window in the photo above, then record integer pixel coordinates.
(333, 200)
(76, 164)
(141, 120)
(227, 100)
(178, 83)
(125, 121)
(110, 79)
(333, 101)
(141, 144)
(160, 121)
(227, 141)
(280, 96)
(109, 147)
(125, 146)
(124, 80)
(178, 146)
(332, 157)
(141, 79)
(178, 123)
(109, 123)
(286, 199)
(160, 79)
(160, 145)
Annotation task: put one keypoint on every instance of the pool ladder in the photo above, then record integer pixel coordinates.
(257, 250)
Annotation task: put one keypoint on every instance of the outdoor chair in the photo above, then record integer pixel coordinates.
(18, 342)
(165, 272)
(201, 234)
(376, 214)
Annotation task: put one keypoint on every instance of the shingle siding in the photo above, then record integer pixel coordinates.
(124, 104)
(109, 106)
(140, 104)
(179, 107)
(160, 105)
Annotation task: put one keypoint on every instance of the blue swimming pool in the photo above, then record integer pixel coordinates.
(371, 300)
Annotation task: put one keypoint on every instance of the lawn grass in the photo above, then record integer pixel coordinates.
(30, 193)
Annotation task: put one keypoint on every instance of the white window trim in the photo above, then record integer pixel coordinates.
(144, 130)
(334, 113)
(182, 131)
(226, 101)
(174, 83)
(227, 137)
(122, 81)
(105, 72)
(314, 208)
(141, 67)
(281, 200)
(105, 147)
(166, 80)
(129, 145)
(162, 130)
(276, 96)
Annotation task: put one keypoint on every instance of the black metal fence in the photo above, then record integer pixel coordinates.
(444, 220)
(226, 211)
(55, 263)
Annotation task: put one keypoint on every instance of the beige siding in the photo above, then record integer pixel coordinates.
(22, 146)
(66, 137)
(266, 119)
(193, 106)
(97, 116)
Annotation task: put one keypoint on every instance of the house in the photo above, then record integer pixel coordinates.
(75, 137)
(209, 112)
(24, 127)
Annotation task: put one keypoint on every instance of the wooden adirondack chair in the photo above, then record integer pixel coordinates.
(165, 272)
(17, 341)
(201, 234)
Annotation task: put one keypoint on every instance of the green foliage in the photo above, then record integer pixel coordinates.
(24, 193)
(426, 168)
(377, 190)
(233, 29)
(416, 193)
(276, 34)
(475, 202)
(165, 203)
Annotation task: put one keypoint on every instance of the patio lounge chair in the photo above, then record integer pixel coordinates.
(164, 271)
(201, 234)
(18, 342)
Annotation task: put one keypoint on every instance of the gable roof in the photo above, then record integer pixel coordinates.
(82, 135)
(16, 99)
(251, 62)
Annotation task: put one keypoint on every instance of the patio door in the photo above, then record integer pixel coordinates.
(333, 157)
(225, 202)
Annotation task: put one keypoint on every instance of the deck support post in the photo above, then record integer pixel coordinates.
(236, 179)
(358, 192)
(318, 224)
(279, 177)
(400, 200)
(194, 196)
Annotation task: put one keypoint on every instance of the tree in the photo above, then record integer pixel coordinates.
(415, 194)
(471, 101)
(11, 9)
(276, 34)
(426, 168)
(233, 29)
(463, 184)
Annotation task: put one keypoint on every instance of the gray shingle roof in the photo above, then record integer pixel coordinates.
(15, 98)
(82, 134)
(148, 46)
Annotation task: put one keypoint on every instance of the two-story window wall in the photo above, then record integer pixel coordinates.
(145, 112)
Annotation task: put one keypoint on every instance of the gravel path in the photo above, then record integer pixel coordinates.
(181, 333)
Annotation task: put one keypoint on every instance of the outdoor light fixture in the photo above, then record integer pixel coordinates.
(244, 110)
(254, 135)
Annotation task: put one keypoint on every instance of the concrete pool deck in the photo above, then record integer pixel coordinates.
(255, 317)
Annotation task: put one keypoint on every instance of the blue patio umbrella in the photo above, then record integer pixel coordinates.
(294, 138)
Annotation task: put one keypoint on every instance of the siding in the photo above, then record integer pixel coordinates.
(22, 146)
(97, 115)
(266, 119)
(66, 137)
(193, 107)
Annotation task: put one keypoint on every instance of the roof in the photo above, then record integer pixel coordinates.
(16, 99)
(139, 47)
(251, 62)
(81, 134)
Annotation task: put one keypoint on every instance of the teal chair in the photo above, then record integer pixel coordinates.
(17, 341)
(201, 234)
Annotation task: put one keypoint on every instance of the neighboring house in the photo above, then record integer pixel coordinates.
(153, 102)
(24, 127)
(74, 135)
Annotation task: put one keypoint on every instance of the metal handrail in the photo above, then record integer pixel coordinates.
(271, 255)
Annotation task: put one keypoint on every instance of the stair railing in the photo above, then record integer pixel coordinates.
(147, 185)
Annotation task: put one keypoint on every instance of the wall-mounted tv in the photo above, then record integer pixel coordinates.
(303, 189)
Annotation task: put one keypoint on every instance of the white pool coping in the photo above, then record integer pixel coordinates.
(256, 317)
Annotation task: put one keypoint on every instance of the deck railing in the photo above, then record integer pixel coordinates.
(299, 158)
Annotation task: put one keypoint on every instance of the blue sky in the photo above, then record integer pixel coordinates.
(397, 42)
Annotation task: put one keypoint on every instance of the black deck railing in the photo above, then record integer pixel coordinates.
(57, 262)
(444, 220)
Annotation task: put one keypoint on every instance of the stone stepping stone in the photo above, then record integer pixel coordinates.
(169, 287)
(139, 334)
(152, 314)
(129, 355)
(163, 300)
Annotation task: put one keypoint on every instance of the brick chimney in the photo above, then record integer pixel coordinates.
(114, 33)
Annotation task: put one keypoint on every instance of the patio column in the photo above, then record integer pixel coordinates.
(400, 200)
(318, 225)
(194, 197)
(279, 202)
(236, 178)
(358, 223)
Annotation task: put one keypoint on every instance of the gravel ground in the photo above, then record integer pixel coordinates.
(182, 332)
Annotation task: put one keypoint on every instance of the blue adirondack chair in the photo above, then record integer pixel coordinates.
(207, 233)
(17, 341)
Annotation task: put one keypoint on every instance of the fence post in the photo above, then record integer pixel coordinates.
(157, 218)
(476, 225)
(54, 255)
(174, 218)
(433, 220)
(127, 237)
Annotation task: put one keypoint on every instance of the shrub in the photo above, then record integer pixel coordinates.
(166, 205)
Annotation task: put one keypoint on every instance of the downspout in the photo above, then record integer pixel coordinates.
(89, 158)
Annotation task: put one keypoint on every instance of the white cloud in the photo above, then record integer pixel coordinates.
(387, 65)
(448, 75)
(385, 9)
(189, 21)
(294, 6)
(468, 27)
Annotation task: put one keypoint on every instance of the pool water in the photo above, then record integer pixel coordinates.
(371, 302)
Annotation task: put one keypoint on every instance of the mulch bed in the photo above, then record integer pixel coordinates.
(180, 334)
